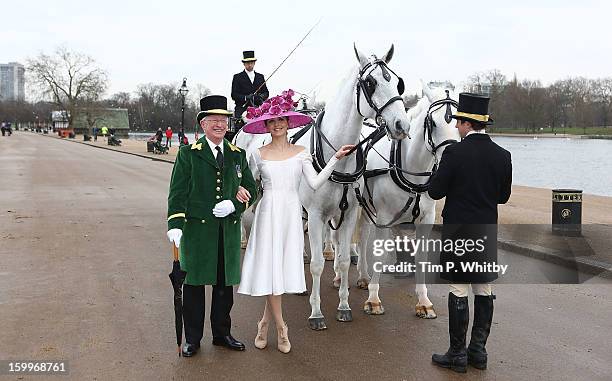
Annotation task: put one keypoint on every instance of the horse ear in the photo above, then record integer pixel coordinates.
(387, 57)
(360, 56)
(427, 91)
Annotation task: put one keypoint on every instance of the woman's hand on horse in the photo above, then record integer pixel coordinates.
(344, 150)
(243, 195)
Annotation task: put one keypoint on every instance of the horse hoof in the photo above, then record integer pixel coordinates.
(344, 315)
(425, 312)
(243, 244)
(373, 308)
(317, 324)
(363, 283)
(306, 260)
(328, 255)
(354, 260)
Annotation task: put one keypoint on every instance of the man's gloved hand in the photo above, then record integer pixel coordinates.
(223, 208)
(174, 236)
(250, 99)
(257, 99)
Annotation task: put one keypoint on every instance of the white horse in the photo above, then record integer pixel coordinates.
(370, 90)
(431, 130)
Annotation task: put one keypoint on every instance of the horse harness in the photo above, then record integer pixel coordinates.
(366, 85)
(397, 172)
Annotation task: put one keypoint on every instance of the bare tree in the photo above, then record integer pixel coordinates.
(68, 78)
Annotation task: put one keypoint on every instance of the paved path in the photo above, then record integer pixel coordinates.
(83, 277)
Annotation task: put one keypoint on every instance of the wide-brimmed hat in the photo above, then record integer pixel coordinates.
(213, 105)
(473, 108)
(248, 56)
(280, 106)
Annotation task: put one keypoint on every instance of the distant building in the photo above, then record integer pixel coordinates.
(85, 119)
(12, 82)
(446, 85)
(59, 119)
(113, 118)
(483, 88)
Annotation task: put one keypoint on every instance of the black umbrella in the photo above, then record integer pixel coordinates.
(177, 277)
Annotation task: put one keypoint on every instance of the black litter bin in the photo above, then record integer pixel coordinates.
(150, 146)
(567, 212)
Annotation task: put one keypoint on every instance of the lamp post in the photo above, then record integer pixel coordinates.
(183, 90)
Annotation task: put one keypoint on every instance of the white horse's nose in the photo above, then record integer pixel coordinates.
(401, 128)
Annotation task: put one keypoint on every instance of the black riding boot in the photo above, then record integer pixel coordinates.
(483, 316)
(458, 318)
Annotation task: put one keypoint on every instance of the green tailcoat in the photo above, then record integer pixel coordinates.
(198, 184)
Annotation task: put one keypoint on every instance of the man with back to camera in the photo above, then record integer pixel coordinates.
(475, 175)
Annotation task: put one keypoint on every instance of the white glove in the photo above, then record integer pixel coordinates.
(223, 208)
(174, 236)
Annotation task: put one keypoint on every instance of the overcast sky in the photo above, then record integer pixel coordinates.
(164, 41)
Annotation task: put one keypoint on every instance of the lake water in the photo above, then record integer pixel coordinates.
(584, 164)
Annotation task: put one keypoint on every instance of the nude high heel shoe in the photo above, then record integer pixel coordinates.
(261, 340)
(283, 339)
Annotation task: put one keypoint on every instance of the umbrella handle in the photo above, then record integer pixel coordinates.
(175, 252)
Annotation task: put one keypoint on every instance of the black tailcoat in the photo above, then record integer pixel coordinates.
(475, 175)
(242, 86)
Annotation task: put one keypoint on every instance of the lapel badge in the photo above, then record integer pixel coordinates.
(238, 171)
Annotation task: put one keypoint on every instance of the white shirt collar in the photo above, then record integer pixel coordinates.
(475, 132)
(251, 75)
(213, 145)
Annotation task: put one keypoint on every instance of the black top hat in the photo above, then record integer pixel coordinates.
(248, 56)
(213, 105)
(473, 108)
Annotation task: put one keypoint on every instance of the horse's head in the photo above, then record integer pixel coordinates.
(439, 127)
(379, 92)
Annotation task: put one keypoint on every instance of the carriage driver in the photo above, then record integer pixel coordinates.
(245, 85)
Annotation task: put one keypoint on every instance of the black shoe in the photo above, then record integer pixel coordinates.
(483, 316)
(458, 318)
(228, 342)
(190, 349)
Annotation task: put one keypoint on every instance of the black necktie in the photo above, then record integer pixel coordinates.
(219, 157)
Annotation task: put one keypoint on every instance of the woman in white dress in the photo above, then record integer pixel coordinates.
(273, 262)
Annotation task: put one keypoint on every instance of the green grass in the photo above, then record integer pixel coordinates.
(567, 130)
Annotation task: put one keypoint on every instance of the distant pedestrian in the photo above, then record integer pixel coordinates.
(95, 133)
(159, 135)
(169, 137)
(181, 133)
(104, 131)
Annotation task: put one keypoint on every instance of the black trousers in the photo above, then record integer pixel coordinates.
(222, 302)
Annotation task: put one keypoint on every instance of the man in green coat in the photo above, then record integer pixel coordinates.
(204, 222)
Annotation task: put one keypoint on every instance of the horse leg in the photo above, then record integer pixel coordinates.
(343, 256)
(362, 263)
(356, 239)
(424, 308)
(316, 321)
(328, 251)
(373, 305)
(332, 239)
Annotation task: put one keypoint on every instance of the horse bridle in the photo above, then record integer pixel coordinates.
(368, 85)
(430, 124)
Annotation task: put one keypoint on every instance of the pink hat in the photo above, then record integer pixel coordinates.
(275, 107)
